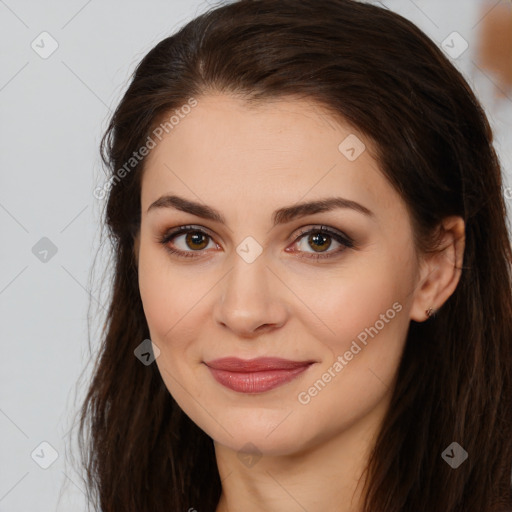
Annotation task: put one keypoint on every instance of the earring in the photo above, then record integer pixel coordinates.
(429, 312)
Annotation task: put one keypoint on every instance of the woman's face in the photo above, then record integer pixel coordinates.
(257, 279)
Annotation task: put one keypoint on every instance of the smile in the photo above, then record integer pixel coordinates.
(255, 375)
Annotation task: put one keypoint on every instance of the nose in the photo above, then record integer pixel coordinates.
(251, 299)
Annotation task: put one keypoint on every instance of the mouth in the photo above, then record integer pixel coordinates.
(255, 375)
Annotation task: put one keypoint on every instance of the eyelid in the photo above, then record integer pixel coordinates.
(169, 234)
(184, 228)
(339, 236)
(345, 241)
(321, 228)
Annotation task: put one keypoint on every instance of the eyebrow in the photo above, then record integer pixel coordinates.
(280, 216)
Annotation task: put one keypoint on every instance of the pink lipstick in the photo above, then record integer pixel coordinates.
(255, 375)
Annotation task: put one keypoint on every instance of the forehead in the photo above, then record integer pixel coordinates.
(276, 152)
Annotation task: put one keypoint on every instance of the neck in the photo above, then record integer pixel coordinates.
(327, 475)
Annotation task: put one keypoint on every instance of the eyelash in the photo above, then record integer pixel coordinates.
(341, 238)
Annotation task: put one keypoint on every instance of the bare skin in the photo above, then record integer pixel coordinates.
(302, 449)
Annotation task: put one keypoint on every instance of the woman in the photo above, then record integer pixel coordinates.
(308, 221)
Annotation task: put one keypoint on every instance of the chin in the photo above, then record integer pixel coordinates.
(264, 431)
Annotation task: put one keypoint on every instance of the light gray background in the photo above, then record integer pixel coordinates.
(53, 113)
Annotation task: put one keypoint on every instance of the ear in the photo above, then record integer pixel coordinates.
(440, 271)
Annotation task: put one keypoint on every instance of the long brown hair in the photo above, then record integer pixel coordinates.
(376, 70)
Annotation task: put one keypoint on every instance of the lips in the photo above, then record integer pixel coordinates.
(255, 375)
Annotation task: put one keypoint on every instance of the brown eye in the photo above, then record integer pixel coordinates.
(185, 241)
(319, 241)
(196, 240)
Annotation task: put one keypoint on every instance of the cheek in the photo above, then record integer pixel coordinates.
(354, 301)
(167, 298)
(174, 300)
(157, 292)
(360, 361)
(167, 294)
(163, 294)
(366, 312)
